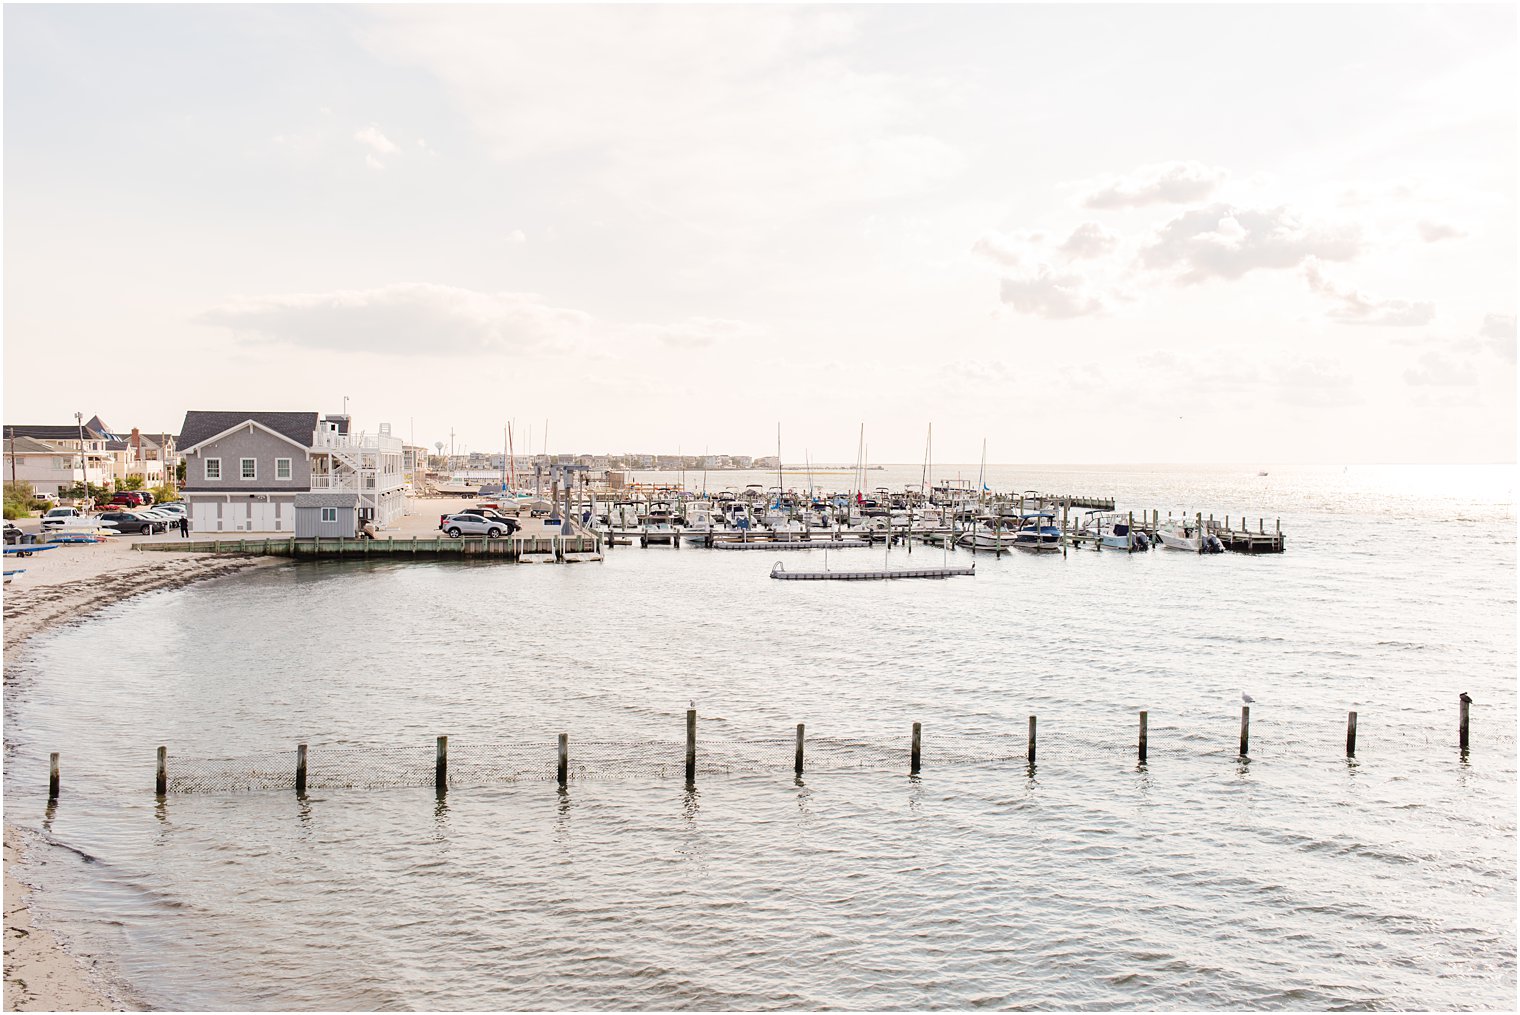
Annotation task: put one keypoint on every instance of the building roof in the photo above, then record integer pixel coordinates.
(67, 432)
(29, 446)
(200, 426)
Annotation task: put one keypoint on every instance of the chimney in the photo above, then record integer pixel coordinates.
(136, 443)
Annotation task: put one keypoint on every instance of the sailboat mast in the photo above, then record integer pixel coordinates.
(780, 486)
(981, 477)
(512, 457)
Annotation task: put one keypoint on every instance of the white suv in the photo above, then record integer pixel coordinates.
(473, 525)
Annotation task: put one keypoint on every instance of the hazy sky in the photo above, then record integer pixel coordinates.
(1084, 233)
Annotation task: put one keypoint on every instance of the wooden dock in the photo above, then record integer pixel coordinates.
(528, 549)
(780, 571)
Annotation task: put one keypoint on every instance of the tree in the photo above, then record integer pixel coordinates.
(179, 473)
(130, 483)
(163, 494)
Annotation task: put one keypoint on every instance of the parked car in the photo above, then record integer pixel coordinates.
(132, 498)
(132, 521)
(508, 523)
(173, 507)
(59, 515)
(13, 533)
(474, 525)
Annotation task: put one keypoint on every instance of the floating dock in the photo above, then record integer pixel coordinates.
(780, 571)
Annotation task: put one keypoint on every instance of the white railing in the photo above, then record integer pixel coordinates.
(328, 440)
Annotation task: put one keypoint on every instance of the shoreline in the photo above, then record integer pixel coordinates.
(41, 972)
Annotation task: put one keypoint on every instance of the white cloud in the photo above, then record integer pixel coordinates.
(1051, 294)
(1222, 241)
(517, 236)
(1352, 307)
(372, 137)
(1498, 332)
(1316, 383)
(372, 162)
(728, 118)
(407, 319)
(701, 333)
(1433, 232)
(1089, 240)
(1436, 370)
(1163, 183)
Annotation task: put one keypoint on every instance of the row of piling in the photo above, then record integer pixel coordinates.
(562, 768)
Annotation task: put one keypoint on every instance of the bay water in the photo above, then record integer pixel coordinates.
(1294, 879)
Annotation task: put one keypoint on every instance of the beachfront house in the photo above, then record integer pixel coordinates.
(254, 471)
(51, 458)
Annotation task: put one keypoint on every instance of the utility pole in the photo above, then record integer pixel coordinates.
(84, 463)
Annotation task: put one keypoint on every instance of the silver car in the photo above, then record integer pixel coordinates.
(456, 526)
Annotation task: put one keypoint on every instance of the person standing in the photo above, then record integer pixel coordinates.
(184, 526)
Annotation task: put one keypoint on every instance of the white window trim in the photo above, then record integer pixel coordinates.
(248, 479)
(330, 511)
(209, 476)
(289, 470)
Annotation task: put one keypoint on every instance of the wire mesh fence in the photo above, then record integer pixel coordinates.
(1057, 740)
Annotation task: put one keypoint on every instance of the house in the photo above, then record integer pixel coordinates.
(254, 471)
(53, 457)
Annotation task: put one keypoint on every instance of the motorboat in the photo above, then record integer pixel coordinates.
(455, 487)
(1037, 533)
(1193, 537)
(1114, 531)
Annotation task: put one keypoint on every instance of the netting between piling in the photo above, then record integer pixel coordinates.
(486, 763)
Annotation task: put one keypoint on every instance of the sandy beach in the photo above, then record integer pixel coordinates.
(61, 586)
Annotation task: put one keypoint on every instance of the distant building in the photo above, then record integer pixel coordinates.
(768, 462)
(742, 461)
(53, 457)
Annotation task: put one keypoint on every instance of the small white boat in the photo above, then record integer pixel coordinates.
(1189, 536)
(1114, 531)
(454, 487)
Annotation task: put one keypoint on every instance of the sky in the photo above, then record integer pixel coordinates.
(1081, 233)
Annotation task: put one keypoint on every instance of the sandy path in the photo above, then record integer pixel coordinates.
(61, 586)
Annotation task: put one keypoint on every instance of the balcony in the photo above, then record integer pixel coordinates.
(327, 440)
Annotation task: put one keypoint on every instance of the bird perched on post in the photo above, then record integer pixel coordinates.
(1247, 698)
(1465, 698)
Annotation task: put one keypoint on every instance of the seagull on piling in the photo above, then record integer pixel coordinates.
(1465, 698)
(1247, 698)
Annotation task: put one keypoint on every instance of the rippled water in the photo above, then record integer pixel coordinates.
(1295, 880)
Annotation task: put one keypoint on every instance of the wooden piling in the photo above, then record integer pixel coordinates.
(441, 766)
(1144, 732)
(1031, 739)
(913, 761)
(564, 760)
(300, 770)
(1245, 730)
(1461, 731)
(161, 777)
(691, 746)
(797, 767)
(53, 776)
(1350, 734)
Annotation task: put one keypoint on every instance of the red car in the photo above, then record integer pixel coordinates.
(132, 498)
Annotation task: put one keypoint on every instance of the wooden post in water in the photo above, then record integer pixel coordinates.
(52, 776)
(1461, 731)
(691, 746)
(798, 766)
(913, 759)
(1350, 734)
(1031, 739)
(301, 770)
(1245, 730)
(564, 759)
(161, 777)
(1144, 733)
(441, 766)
